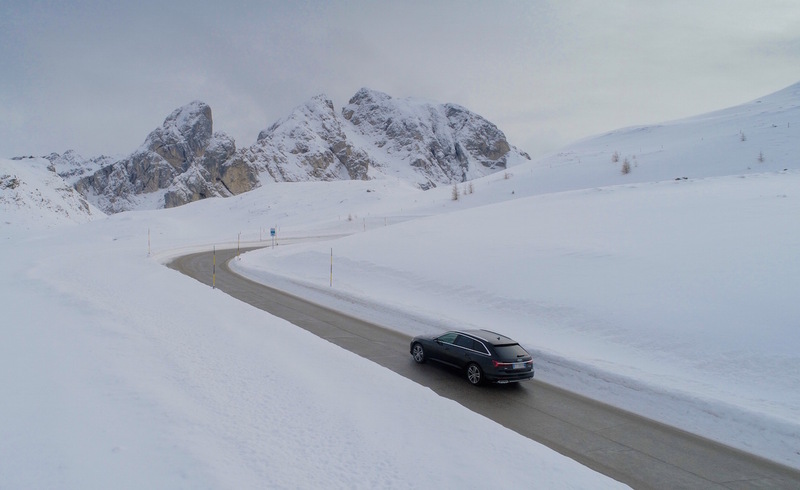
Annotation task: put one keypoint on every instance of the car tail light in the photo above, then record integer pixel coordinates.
(497, 364)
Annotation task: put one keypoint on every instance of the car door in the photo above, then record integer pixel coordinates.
(464, 350)
(446, 349)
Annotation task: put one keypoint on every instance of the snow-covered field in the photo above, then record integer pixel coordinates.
(676, 300)
(670, 291)
(671, 298)
(118, 372)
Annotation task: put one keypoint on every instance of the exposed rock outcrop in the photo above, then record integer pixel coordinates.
(309, 144)
(443, 144)
(180, 162)
(184, 160)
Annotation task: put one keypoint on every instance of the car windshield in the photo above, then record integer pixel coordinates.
(510, 351)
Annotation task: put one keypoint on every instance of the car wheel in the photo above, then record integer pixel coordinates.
(474, 374)
(418, 353)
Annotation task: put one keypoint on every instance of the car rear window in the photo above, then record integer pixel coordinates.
(510, 351)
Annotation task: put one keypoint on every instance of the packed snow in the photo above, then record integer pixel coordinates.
(669, 290)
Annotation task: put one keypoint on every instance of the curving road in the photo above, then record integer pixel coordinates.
(639, 452)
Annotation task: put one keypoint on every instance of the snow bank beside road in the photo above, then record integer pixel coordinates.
(676, 299)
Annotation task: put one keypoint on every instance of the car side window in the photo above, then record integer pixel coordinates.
(481, 348)
(464, 342)
(448, 338)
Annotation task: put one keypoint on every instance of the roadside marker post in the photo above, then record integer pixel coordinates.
(214, 270)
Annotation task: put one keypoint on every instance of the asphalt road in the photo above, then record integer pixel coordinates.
(639, 452)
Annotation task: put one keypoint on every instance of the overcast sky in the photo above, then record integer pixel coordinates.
(98, 76)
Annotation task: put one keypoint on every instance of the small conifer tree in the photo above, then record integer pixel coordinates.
(626, 167)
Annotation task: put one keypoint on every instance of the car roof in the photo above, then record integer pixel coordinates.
(493, 338)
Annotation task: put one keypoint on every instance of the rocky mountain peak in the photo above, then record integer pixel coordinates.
(366, 100)
(374, 135)
(309, 144)
(318, 109)
(442, 143)
(184, 136)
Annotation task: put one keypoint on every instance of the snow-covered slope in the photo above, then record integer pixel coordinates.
(672, 298)
(72, 166)
(668, 290)
(120, 373)
(759, 136)
(33, 195)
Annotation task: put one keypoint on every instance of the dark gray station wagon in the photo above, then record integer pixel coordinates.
(483, 356)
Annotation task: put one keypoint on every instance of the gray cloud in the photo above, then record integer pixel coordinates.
(98, 76)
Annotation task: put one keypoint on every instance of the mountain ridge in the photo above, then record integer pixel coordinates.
(374, 136)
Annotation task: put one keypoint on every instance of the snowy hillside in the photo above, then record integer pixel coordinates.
(119, 372)
(672, 298)
(33, 195)
(72, 166)
(675, 299)
(759, 136)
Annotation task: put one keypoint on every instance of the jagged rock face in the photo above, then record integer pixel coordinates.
(184, 136)
(72, 167)
(309, 144)
(479, 137)
(443, 143)
(192, 185)
(185, 160)
(220, 172)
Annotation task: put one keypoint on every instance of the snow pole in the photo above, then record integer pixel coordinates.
(148, 242)
(214, 270)
(331, 267)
